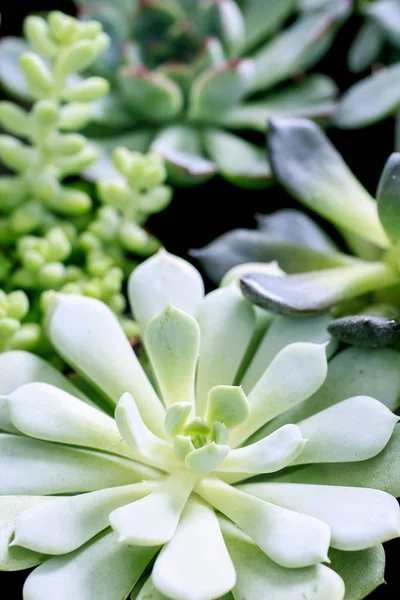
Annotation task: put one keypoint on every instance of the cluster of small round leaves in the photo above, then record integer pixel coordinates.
(13, 334)
(132, 199)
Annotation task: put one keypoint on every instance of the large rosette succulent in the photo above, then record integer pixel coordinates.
(162, 498)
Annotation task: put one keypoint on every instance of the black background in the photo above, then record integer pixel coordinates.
(196, 216)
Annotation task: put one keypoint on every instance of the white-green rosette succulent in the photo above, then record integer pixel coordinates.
(147, 485)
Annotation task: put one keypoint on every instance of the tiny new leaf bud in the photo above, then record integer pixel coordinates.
(90, 90)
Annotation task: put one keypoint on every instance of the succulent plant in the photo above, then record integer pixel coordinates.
(156, 497)
(376, 45)
(58, 234)
(185, 73)
(320, 275)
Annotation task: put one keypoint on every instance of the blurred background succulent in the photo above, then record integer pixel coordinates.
(376, 47)
(56, 231)
(186, 73)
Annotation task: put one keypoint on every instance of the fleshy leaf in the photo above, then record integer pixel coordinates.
(151, 94)
(283, 331)
(160, 280)
(312, 98)
(48, 413)
(358, 518)
(298, 46)
(275, 530)
(218, 87)
(207, 458)
(153, 520)
(259, 577)
(351, 372)
(366, 47)
(388, 197)
(13, 558)
(87, 334)
(103, 169)
(387, 14)
(370, 100)
(137, 435)
(270, 454)
(343, 433)
(226, 321)
(64, 524)
(380, 472)
(239, 161)
(182, 149)
(366, 331)
(172, 340)
(317, 291)
(294, 375)
(195, 563)
(311, 169)
(228, 405)
(248, 246)
(26, 468)
(361, 571)
(274, 15)
(102, 568)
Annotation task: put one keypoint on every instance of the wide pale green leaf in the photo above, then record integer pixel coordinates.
(370, 100)
(161, 280)
(172, 340)
(295, 48)
(296, 372)
(195, 563)
(152, 95)
(153, 520)
(312, 98)
(362, 571)
(226, 321)
(11, 76)
(259, 577)
(13, 558)
(381, 472)
(309, 293)
(263, 20)
(311, 169)
(18, 368)
(48, 413)
(62, 525)
(270, 454)
(352, 372)
(358, 518)
(388, 197)
(274, 529)
(88, 336)
(249, 246)
(283, 331)
(103, 568)
(239, 161)
(343, 432)
(35, 467)
(103, 168)
(182, 149)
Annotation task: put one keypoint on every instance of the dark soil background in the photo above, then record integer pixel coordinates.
(196, 216)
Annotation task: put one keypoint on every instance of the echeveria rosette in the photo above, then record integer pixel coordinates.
(165, 485)
(187, 75)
